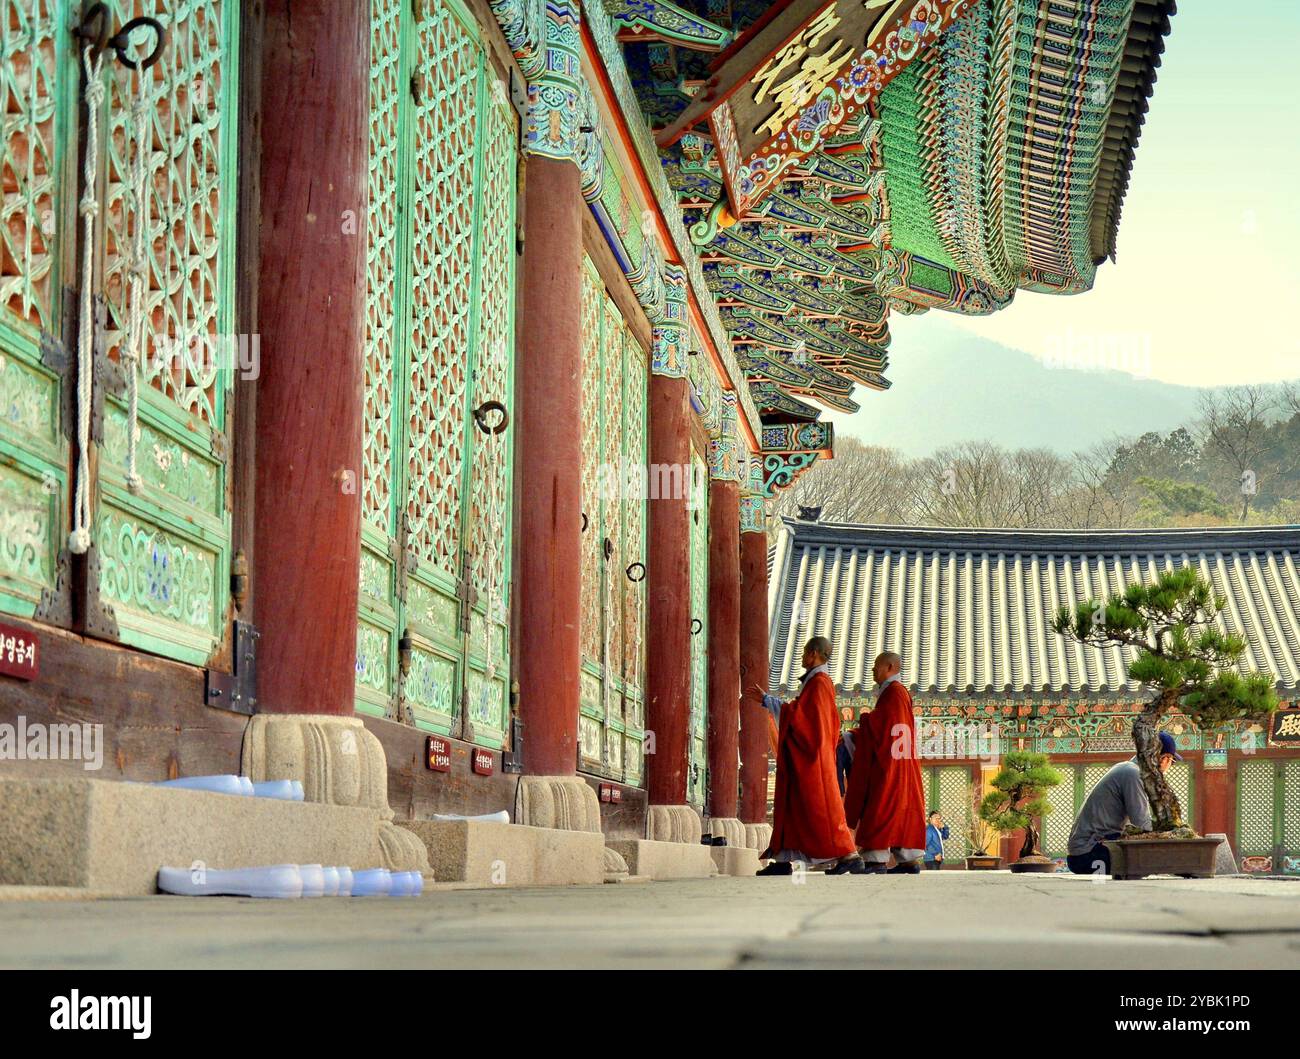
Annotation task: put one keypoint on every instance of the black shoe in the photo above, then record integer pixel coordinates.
(777, 867)
(872, 868)
(911, 868)
(847, 866)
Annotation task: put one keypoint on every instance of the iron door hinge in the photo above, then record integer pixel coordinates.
(236, 691)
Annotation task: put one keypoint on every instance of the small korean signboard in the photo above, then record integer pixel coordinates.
(438, 753)
(482, 762)
(19, 653)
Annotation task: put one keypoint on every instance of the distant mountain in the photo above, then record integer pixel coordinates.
(963, 387)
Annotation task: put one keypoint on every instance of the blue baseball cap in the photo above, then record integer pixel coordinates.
(1168, 746)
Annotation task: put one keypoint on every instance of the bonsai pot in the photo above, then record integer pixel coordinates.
(1033, 863)
(983, 862)
(1136, 858)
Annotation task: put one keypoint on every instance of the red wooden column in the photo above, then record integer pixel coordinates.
(724, 647)
(548, 464)
(311, 317)
(753, 670)
(668, 596)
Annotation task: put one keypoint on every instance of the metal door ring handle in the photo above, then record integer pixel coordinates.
(98, 38)
(697, 626)
(484, 410)
(122, 41)
(636, 566)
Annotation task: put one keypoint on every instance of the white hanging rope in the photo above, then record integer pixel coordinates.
(79, 538)
(133, 350)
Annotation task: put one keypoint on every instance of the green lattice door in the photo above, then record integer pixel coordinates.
(38, 80)
(611, 719)
(697, 772)
(1268, 815)
(433, 642)
(159, 562)
(948, 789)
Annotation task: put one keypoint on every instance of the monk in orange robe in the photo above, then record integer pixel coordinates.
(885, 798)
(808, 814)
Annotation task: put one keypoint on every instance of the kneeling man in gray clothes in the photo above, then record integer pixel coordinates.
(1117, 800)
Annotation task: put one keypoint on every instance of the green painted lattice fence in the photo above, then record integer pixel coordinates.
(611, 717)
(432, 643)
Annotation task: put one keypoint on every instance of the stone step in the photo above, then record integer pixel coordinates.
(666, 860)
(480, 853)
(734, 860)
(111, 837)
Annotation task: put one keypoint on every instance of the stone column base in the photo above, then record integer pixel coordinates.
(757, 836)
(673, 823)
(565, 803)
(339, 762)
(730, 828)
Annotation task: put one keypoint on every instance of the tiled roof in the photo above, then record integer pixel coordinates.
(969, 611)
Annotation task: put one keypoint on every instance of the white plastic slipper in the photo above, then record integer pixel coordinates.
(313, 880)
(240, 785)
(407, 884)
(276, 880)
(331, 881)
(502, 817)
(372, 882)
(285, 790)
(345, 882)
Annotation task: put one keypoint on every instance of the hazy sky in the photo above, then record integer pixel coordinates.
(1206, 284)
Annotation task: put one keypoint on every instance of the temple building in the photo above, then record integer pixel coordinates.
(391, 393)
(970, 613)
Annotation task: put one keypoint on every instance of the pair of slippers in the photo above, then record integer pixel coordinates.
(289, 881)
(284, 790)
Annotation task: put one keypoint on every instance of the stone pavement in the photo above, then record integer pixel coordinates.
(937, 919)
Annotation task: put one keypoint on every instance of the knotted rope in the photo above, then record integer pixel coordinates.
(79, 538)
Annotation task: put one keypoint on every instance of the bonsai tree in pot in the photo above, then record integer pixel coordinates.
(1018, 797)
(1184, 660)
(981, 836)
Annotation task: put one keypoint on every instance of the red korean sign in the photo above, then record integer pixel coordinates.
(482, 762)
(437, 754)
(20, 655)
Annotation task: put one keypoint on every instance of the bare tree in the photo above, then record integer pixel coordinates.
(861, 484)
(1234, 427)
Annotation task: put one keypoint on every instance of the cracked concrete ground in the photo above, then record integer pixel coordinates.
(934, 920)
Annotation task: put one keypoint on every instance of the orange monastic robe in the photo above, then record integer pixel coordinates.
(885, 799)
(807, 812)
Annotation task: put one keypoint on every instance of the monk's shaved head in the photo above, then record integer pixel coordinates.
(820, 646)
(887, 664)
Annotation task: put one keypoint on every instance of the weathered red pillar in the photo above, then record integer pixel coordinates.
(668, 597)
(1214, 788)
(548, 463)
(311, 313)
(724, 647)
(753, 673)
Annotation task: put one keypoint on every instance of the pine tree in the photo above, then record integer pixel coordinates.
(1019, 796)
(1184, 660)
